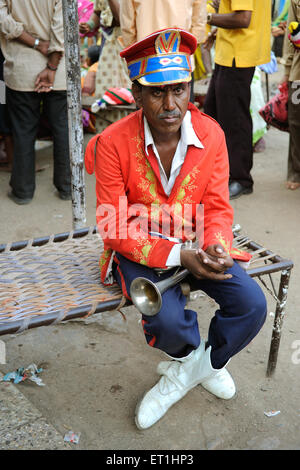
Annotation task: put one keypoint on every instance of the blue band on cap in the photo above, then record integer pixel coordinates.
(166, 77)
(174, 64)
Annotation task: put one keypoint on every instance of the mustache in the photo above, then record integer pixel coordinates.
(168, 114)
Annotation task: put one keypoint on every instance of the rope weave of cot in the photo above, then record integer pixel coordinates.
(52, 279)
(62, 274)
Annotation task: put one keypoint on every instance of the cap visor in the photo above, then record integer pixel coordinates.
(166, 77)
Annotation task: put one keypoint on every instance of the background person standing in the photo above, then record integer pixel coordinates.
(243, 41)
(291, 57)
(139, 18)
(32, 42)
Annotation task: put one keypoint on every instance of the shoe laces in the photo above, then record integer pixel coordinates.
(171, 377)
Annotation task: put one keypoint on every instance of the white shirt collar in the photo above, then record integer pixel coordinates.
(188, 135)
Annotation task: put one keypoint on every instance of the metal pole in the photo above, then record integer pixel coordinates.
(278, 321)
(72, 54)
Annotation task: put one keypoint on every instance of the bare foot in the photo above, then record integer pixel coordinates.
(292, 185)
(260, 146)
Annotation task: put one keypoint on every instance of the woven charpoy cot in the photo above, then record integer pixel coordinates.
(47, 280)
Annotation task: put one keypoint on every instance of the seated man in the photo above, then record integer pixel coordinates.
(88, 81)
(168, 154)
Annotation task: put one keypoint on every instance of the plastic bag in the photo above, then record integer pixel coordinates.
(23, 373)
(85, 10)
(257, 102)
(275, 112)
(270, 67)
(72, 437)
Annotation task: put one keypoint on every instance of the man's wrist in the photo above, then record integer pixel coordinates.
(51, 67)
(184, 252)
(36, 43)
(209, 18)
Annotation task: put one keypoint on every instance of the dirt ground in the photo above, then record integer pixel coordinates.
(96, 370)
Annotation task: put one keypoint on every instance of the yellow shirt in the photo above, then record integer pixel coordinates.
(248, 46)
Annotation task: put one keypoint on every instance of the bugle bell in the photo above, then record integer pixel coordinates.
(147, 295)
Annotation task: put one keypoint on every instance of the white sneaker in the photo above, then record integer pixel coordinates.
(178, 378)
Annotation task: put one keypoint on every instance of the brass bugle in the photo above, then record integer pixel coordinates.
(147, 295)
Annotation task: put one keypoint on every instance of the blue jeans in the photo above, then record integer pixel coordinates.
(174, 330)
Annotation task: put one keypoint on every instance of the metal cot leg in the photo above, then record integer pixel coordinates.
(278, 321)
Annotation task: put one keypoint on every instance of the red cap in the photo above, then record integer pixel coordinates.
(162, 57)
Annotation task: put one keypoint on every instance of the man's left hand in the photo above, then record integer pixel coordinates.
(209, 41)
(44, 81)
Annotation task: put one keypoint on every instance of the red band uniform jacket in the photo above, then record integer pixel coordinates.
(126, 176)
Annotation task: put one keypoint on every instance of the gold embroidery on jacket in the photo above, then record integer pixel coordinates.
(225, 243)
(147, 179)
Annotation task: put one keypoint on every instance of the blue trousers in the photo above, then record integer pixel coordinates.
(174, 330)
